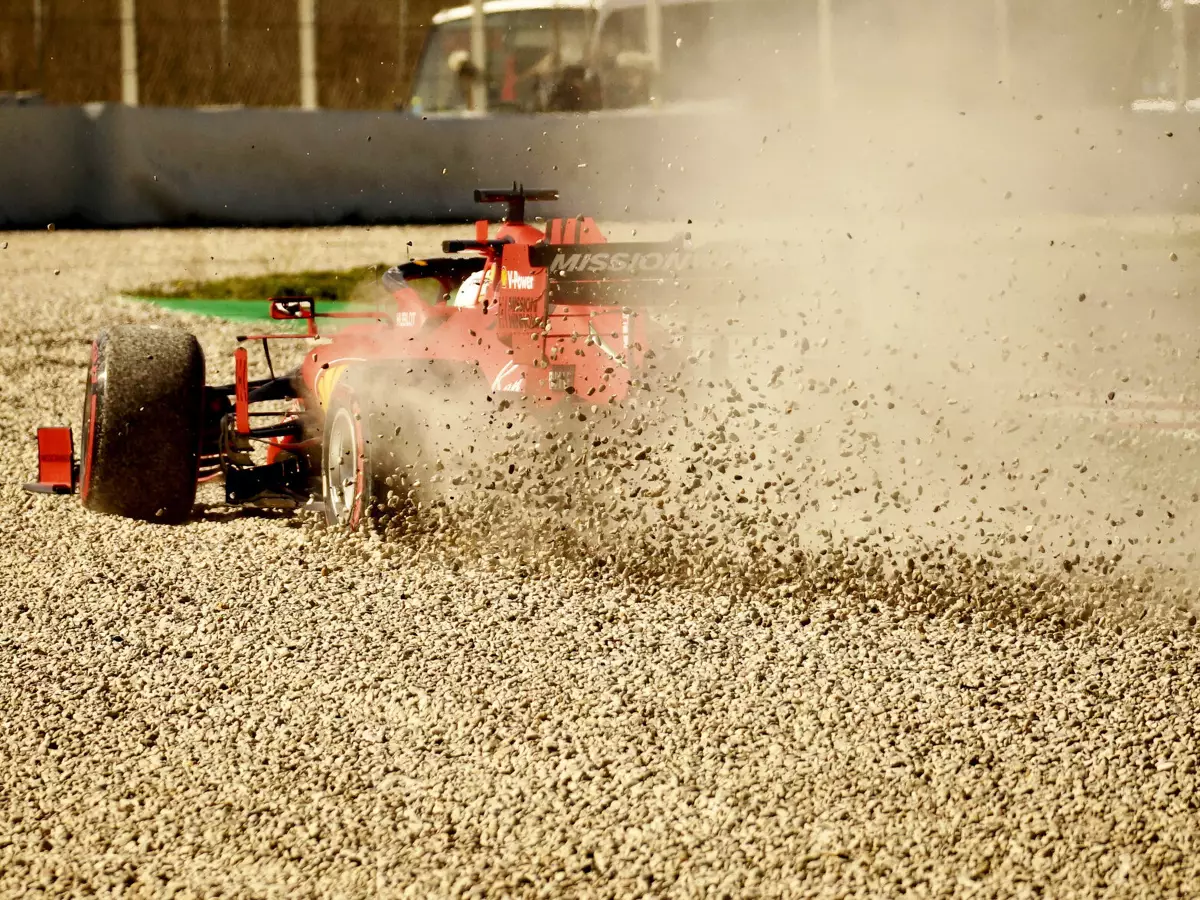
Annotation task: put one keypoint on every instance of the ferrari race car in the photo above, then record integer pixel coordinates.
(547, 316)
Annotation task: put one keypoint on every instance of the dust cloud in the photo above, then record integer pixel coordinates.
(931, 357)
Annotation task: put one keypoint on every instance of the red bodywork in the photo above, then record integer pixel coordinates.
(554, 319)
(523, 341)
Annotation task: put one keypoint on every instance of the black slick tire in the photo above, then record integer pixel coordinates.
(142, 419)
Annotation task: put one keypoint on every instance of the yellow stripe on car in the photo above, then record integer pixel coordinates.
(326, 381)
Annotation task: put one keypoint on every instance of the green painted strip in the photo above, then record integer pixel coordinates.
(249, 310)
(233, 310)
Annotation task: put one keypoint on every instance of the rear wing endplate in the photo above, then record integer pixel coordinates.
(57, 471)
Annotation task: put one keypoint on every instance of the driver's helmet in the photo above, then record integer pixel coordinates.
(468, 292)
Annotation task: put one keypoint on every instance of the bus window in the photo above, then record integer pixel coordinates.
(687, 53)
(526, 49)
(711, 49)
(621, 59)
(1153, 76)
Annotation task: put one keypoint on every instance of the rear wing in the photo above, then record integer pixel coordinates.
(515, 200)
(58, 472)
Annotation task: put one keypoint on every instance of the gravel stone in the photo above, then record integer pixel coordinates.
(800, 631)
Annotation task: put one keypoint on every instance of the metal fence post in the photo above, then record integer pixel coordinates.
(1179, 27)
(1003, 41)
(223, 15)
(825, 50)
(37, 45)
(307, 15)
(654, 48)
(402, 52)
(37, 28)
(129, 60)
(479, 92)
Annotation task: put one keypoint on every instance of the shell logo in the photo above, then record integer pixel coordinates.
(326, 381)
(515, 280)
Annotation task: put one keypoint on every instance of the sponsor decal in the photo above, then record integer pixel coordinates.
(598, 339)
(562, 378)
(406, 319)
(516, 281)
(622, 263)
(520, 313)
(510, 378)
(326, 379)
(325, 382)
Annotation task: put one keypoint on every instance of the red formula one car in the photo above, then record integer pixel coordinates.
(545, 316)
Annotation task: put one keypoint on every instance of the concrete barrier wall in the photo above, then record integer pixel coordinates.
(45, 159)
(107, 166)
(118, 166)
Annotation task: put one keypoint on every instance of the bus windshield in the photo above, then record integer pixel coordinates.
(525, 51)
(710, 49)
(1154, 76)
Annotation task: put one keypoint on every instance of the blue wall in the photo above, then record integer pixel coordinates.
(105, 166)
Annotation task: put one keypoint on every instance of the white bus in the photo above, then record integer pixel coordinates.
(1167, 56)
(547, 55)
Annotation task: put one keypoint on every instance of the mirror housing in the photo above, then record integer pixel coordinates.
(293, 308)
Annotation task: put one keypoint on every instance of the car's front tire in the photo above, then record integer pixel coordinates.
(363, 476)
(347, 476)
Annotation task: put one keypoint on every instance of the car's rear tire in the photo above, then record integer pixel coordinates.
(142, 418)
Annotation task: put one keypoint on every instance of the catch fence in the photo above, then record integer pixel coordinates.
(196, 53)
(362, 54)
